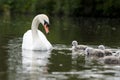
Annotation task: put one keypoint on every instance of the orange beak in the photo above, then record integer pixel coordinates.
(46, 29)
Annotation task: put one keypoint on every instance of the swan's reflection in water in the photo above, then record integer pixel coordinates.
(28, 65)
(35, 61)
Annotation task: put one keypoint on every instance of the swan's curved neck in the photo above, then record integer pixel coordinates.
(34, 27)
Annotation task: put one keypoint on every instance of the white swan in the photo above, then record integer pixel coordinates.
(34, 39)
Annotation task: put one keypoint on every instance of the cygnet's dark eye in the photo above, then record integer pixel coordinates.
(46, 23)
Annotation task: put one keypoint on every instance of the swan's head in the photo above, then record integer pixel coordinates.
(102, 47)
(74, 43)
(44, 21)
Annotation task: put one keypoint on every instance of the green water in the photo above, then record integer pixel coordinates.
(58, 64)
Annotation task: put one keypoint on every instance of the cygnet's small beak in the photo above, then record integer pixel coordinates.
(46, 29)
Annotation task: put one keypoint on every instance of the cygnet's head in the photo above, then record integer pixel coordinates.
(88, 50)
(102, 47)
(74, 43)
(117, 53)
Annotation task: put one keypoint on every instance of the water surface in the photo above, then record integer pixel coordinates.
(60, 63)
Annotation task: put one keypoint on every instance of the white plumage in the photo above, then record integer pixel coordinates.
(34, 39)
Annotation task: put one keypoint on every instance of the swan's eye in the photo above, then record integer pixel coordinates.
(46, 23)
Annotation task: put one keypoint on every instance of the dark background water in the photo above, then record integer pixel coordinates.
(59, 64)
